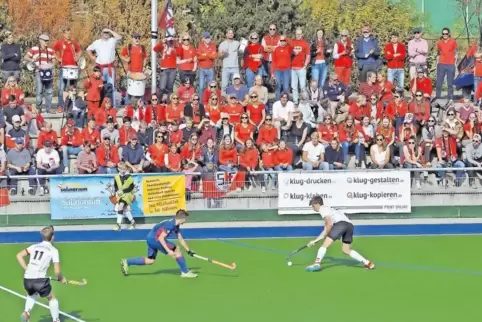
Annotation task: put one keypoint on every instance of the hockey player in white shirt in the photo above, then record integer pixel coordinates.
(337, 225)
(35, 281)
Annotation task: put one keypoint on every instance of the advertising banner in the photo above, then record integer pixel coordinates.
(87, 197)
(353, 192)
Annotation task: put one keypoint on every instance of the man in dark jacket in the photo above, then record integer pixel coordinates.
(11, 57)
(367, 52)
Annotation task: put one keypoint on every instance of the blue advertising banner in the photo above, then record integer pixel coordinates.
(89, 197)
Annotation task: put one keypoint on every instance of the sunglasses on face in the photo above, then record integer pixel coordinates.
(476, 141)
(411, 142)
(153, 99)
(373, 98)
(419, 95)
(254, 96)
(379, 139)
(397, 96)
(254, 38)
(244, 117)
(175, 98)
(431, 121)
(445, 33)
(272, 29)
(344, 35)
(268, 120)
(328, 119)
(185, 39)
(137, 38)
(159, 137)
(451, 114)
(212, 86)
(195, 99)
(225, 119)
(282, 40)
(214, 99)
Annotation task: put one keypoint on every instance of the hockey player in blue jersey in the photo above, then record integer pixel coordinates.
(157, 241)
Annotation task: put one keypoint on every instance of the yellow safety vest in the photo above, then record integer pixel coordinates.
(127, 197)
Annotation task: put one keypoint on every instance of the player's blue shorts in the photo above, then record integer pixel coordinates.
(154, 246)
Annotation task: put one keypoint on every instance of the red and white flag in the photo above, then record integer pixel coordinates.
(166, 20)
(218, 184)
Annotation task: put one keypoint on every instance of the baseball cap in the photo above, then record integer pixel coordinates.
(16, 119)
(47, 144)
(106, 136)
(136, 35)
(105, 30)
(232, 95)
(19, 140)
(206, 34)
(417, 30)
(44, 37)
(132, 136)
(236, 76)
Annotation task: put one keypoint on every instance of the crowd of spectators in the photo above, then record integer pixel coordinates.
(311, 124)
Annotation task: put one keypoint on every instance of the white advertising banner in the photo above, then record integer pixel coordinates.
(353, 192)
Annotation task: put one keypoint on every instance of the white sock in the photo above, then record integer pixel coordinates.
(128, 214)
(320, 255)
(54, 309)
(30, 302)
(119, 219)
(354, 254)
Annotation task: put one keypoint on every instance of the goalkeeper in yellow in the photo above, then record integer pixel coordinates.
(124, 191)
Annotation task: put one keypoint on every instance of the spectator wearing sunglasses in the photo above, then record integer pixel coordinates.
(211, 90)
(471, 127)
(453, 125)
(234, 109)
(269, 42)
(380, 154)
(186, 91)
(447, 157)
(473, 152)
(228, 51)
(395, 54)
(421, 83)
(367, 52)
(256, 110)
(430, 132)
(267, 132)
(420, 108)
(397, 109)
(412, 159)
(253, 59)
(447, 49)
(417, 54)
(206, 56)
(195, 110)
(186, 59)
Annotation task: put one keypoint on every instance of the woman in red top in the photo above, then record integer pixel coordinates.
(386, 130)
(213, 109)
(268, 163)
(158, 109)
(255, 110)
(173, 159)
(185, 92)
(471, 127)
(156, 154)
(174, 110)
(248, 161)
(283, 157)
(234, 109)
(91, 134)
(327, 130)
(348, 136)
(228, 155)
(359, 109)
(175, 135)
(386, 86)
(243, 131)
(343, 57)
(411, 158)
(11, 88)
(104, 112)
(405, 132)
(397, 109)
(192, 150)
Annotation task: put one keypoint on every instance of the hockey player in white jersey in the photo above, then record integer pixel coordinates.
(35, 281)
(337, 225)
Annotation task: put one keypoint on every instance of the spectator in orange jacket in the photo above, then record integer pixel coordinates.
(395, 54)
(359, 109)
(91, 135)
(397, 109)
(104, 113)
(94, 85)
(420, 108)
(283, 157)
(71, 143)
(206, 56)
(281, 66)
(107, 156)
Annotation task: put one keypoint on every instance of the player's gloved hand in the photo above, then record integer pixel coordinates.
(191, 253)
(312, 243)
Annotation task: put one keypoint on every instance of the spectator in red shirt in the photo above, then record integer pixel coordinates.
(91, 134)
(371, 85)
(283, 157)
(86, 160)
(243, 131)
(186, 59)
(327, 131)
(397, 109)
(168, 64)
(268, 163)
(104, 113)
(107, 156)
(192, 150)
(299, 62)
(448, 51)
(209, 92)
(228, 155)
(253, 59)
(173, 159)
(11, 88)
(71, 143)
(195, 110)
(175, 135)
(174, 110)
(447, 157)
(213, 109)
(206, 56)
(135, 55)
(420, 108)
(256, 110)
(268, 134)
(185, 92)
(94, 85)
(158, 109)
(233, 109)
(348, 136)
(281, 66)
(343, 57)
(386, 88)
(156, 154)
(359, 109)
(248, 161)
(421, 83)
(125, 131)
(67, 52)
(47, 134)
(395, 54)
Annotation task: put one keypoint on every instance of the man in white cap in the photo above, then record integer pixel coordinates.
(104, 56)
(239, 89)
(228, 51)
(44, 58)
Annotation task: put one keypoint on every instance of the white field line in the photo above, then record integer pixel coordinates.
(40, 304)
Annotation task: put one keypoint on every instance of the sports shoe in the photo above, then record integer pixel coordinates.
(133, 225)
(117, 227)
(124, 267)
(189, 274)
(369, 265)
(25, 317)
(313, 268)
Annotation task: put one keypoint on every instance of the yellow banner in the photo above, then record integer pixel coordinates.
(163, 195)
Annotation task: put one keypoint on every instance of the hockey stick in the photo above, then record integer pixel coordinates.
(71, 282)
(231, 267)
(296, 251)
